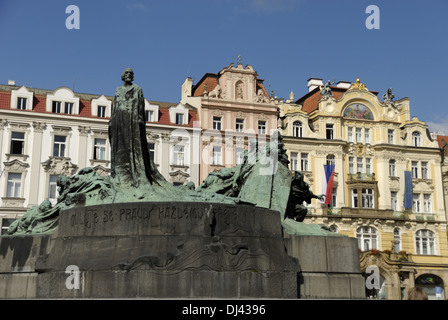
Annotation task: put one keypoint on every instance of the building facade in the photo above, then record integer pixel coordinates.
(389, 171)
(386, 189)
(47, 133)
(234, 107)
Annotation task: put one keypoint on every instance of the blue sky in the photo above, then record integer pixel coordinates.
(285, 41)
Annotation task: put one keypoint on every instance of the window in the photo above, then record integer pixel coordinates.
(331, 160)
(354, 198)
(53, 189)
(390, 136)
(217, 155)
(416, 139)
(99, 149)
(294, 161)
(179, 118)
(101, 111)
(416, 204)
(394, 200)
(304, 162)
(350, 134)
(14, 185)
(217, 123)
(367, 238)
(333, 198)
(68, 108)
(414, 169)
(17, 143)
(397, 240)
(358, 135)
(239, 125)
(149, 115)
(351, 165)
(59, 146)
(5, 224)
(151, 149)
(297, 129)
(368, 198)
(261, 127)
(424, 167)
(392, 168)
(367, 135)
(329, 131)
(239, 156)
(427, 204)
(179, 155)
(56, 107)
(368, 166)
(359, 165)
(424, 241)
(21, 103)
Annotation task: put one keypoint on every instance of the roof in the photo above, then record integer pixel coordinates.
(310, 101)
(440, 140)
(211, 80)
(40, 99)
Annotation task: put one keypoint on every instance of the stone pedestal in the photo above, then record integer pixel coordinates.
(153, 250)
(330, 267)
(177, 250)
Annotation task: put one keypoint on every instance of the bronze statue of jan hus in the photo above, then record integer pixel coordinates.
(300, 192)
(130, 161)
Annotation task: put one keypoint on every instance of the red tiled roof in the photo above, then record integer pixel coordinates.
(211, 81)
(310, 101)
(85, 108)
(440, 139)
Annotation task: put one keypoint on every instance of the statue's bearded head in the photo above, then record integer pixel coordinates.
(127, 75)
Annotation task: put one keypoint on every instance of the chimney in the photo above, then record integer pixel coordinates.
(314, 83)
(11, 83)
(187, 87)
(344, 84)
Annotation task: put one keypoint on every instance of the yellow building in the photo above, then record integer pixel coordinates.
(375, 147)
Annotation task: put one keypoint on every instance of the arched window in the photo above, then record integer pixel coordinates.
(397, 240)
(392, 168)
(367, 238)
(331, 160)
(425, 242)
(416, 139)
(297, 129)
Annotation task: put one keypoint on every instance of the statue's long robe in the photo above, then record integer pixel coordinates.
(130, 160)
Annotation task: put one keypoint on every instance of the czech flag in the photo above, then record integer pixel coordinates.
(327, 182)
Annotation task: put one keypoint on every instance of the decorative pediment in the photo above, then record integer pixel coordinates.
(101, 170)
(16, 166)
(59, 166)
(179, 176)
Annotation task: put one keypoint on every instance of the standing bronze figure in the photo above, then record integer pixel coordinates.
(130, 160)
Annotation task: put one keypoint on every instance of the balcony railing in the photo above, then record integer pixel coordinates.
(361, 176)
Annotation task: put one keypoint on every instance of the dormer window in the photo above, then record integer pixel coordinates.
(179, 118)
(151, 112)
(416, 139)
(63, 101)
(101, 107)
(21, 99)
(179, 114)
(21, 103)
(101, 111)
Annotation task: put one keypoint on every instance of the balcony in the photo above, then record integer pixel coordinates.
(361, 177)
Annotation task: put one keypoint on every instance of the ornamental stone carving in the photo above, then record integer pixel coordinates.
(59, 166)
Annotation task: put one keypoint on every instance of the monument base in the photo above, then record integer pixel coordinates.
(176, 250)
(330, 267)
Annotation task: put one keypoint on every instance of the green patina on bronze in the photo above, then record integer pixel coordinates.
(263, 179)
